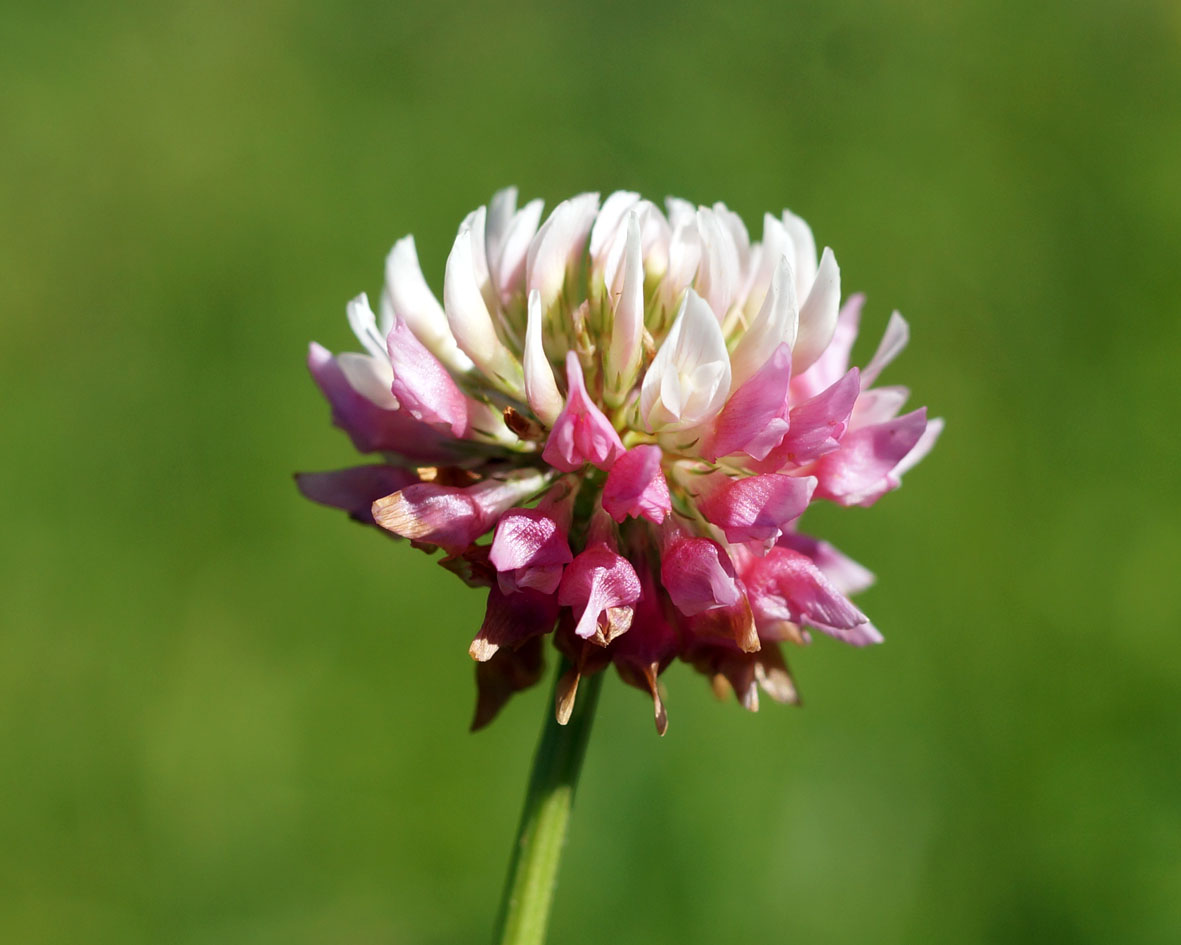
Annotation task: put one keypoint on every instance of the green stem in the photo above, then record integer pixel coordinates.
(533, 870)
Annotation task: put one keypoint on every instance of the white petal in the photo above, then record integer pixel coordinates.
(805, 247)
(364, 325)
(689, 378)
(408, 297)
(818, 315)
(468, 316)
(680, 211)
(614, 209)
(627, 323)
(720, 273)
(370, 377)
(558, 243)
(893, 341)
(501, 209)
(777, 322)
(540, 388)
(509, 267)
(775, 245)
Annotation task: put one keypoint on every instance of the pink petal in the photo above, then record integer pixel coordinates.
(596, 580)
(529, 551)
(356, 489)
(858, 472)
(451, 517)
(422, 385)
(817, 425)
(787, 585)
(757, 508)
(447, 516)
(581, 434)
(636, 486)
(754, 419)
(698, 575)
(846, 575)
(373, 428)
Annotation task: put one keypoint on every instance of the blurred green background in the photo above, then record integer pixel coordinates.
(229, 716)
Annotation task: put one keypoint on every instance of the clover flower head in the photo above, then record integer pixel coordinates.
(613, 422)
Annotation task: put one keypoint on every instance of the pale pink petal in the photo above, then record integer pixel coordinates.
(857, 473)
(596, 581)
(757, 508)
(698, 575)
(877, 405)
(355, 489)
(893, 341)
(636, 486)
(581, 434)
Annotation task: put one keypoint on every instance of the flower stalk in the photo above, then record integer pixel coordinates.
(533, 869)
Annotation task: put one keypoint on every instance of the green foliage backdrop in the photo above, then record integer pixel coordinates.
(228, 716)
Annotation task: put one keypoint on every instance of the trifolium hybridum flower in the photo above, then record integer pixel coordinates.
(612, 422)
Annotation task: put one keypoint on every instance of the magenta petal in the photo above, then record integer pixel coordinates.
(858, 472)
(787, 585)
(636, 486)
(355, 489)
(698, 575)
(581, 434)
(757, 508)
(594, 581)
(529, 550)
(422, 385)
(755, 417)
(373, 428)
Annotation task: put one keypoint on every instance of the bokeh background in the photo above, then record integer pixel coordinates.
(229, 716)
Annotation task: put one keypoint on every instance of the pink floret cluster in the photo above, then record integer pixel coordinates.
(612, 422)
